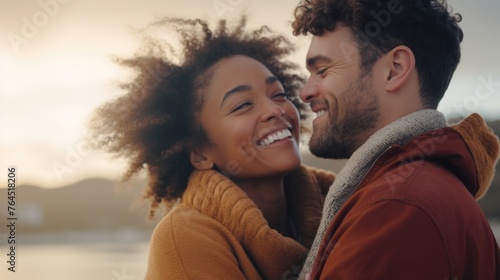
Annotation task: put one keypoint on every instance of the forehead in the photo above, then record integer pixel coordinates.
(235, 71)
(338, 45)
(238, 67)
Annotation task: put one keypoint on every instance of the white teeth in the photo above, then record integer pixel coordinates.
(321, 113)
(279, 135)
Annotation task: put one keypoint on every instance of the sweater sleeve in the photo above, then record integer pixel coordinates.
(387, 240)
(187, 245)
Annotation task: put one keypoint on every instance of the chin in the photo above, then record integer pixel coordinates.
(291, 164)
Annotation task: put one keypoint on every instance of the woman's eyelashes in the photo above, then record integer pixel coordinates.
(281, 95)
(240, 106)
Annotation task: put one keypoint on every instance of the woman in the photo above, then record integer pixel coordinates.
(218, 134)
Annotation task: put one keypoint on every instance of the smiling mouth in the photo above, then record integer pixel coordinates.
(276, 136)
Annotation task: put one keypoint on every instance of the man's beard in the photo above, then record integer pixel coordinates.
(339, 137)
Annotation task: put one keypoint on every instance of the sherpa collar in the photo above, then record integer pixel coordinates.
(355, 169)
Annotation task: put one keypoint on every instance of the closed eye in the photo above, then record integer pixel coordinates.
(241, 106)
(322, 71)
(281, 95)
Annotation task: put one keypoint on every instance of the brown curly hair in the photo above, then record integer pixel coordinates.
(425, 26)
(154, 124)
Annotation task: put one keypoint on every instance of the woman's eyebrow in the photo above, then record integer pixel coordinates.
(271, 79)
(241, 88)
(237, 89)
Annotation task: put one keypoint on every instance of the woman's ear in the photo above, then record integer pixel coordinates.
(200, 160)
(401, 64)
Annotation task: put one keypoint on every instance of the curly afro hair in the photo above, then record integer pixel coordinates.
(153, 124)
(425, 26)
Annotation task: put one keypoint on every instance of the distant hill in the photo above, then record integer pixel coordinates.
(93, 204)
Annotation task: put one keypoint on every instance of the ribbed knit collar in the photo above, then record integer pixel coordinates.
(275, 255)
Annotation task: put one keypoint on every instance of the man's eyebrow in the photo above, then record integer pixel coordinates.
(271, 80)
(310, 62)
(241, 88)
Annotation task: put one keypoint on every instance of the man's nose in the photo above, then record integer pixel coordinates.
(309, 91)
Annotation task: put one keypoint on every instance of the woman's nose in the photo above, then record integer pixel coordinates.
(272, 110)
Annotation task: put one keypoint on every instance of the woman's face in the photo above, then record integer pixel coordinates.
(252, 127)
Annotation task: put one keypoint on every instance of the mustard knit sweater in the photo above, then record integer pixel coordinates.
(217, 231)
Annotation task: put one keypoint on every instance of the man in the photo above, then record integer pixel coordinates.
(404, 206)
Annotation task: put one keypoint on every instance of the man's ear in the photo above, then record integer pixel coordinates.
(200, 160)
(401, 66)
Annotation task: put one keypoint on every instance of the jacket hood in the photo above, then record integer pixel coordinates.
(468, 149)
(483, 147)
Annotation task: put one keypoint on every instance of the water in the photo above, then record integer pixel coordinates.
(82, 260)
(87, 256)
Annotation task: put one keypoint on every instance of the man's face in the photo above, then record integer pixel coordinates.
(343, 98)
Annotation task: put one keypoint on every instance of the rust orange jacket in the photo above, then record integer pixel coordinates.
(415, 215)
(217, 232)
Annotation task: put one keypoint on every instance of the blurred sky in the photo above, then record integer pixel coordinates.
(55, 68)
